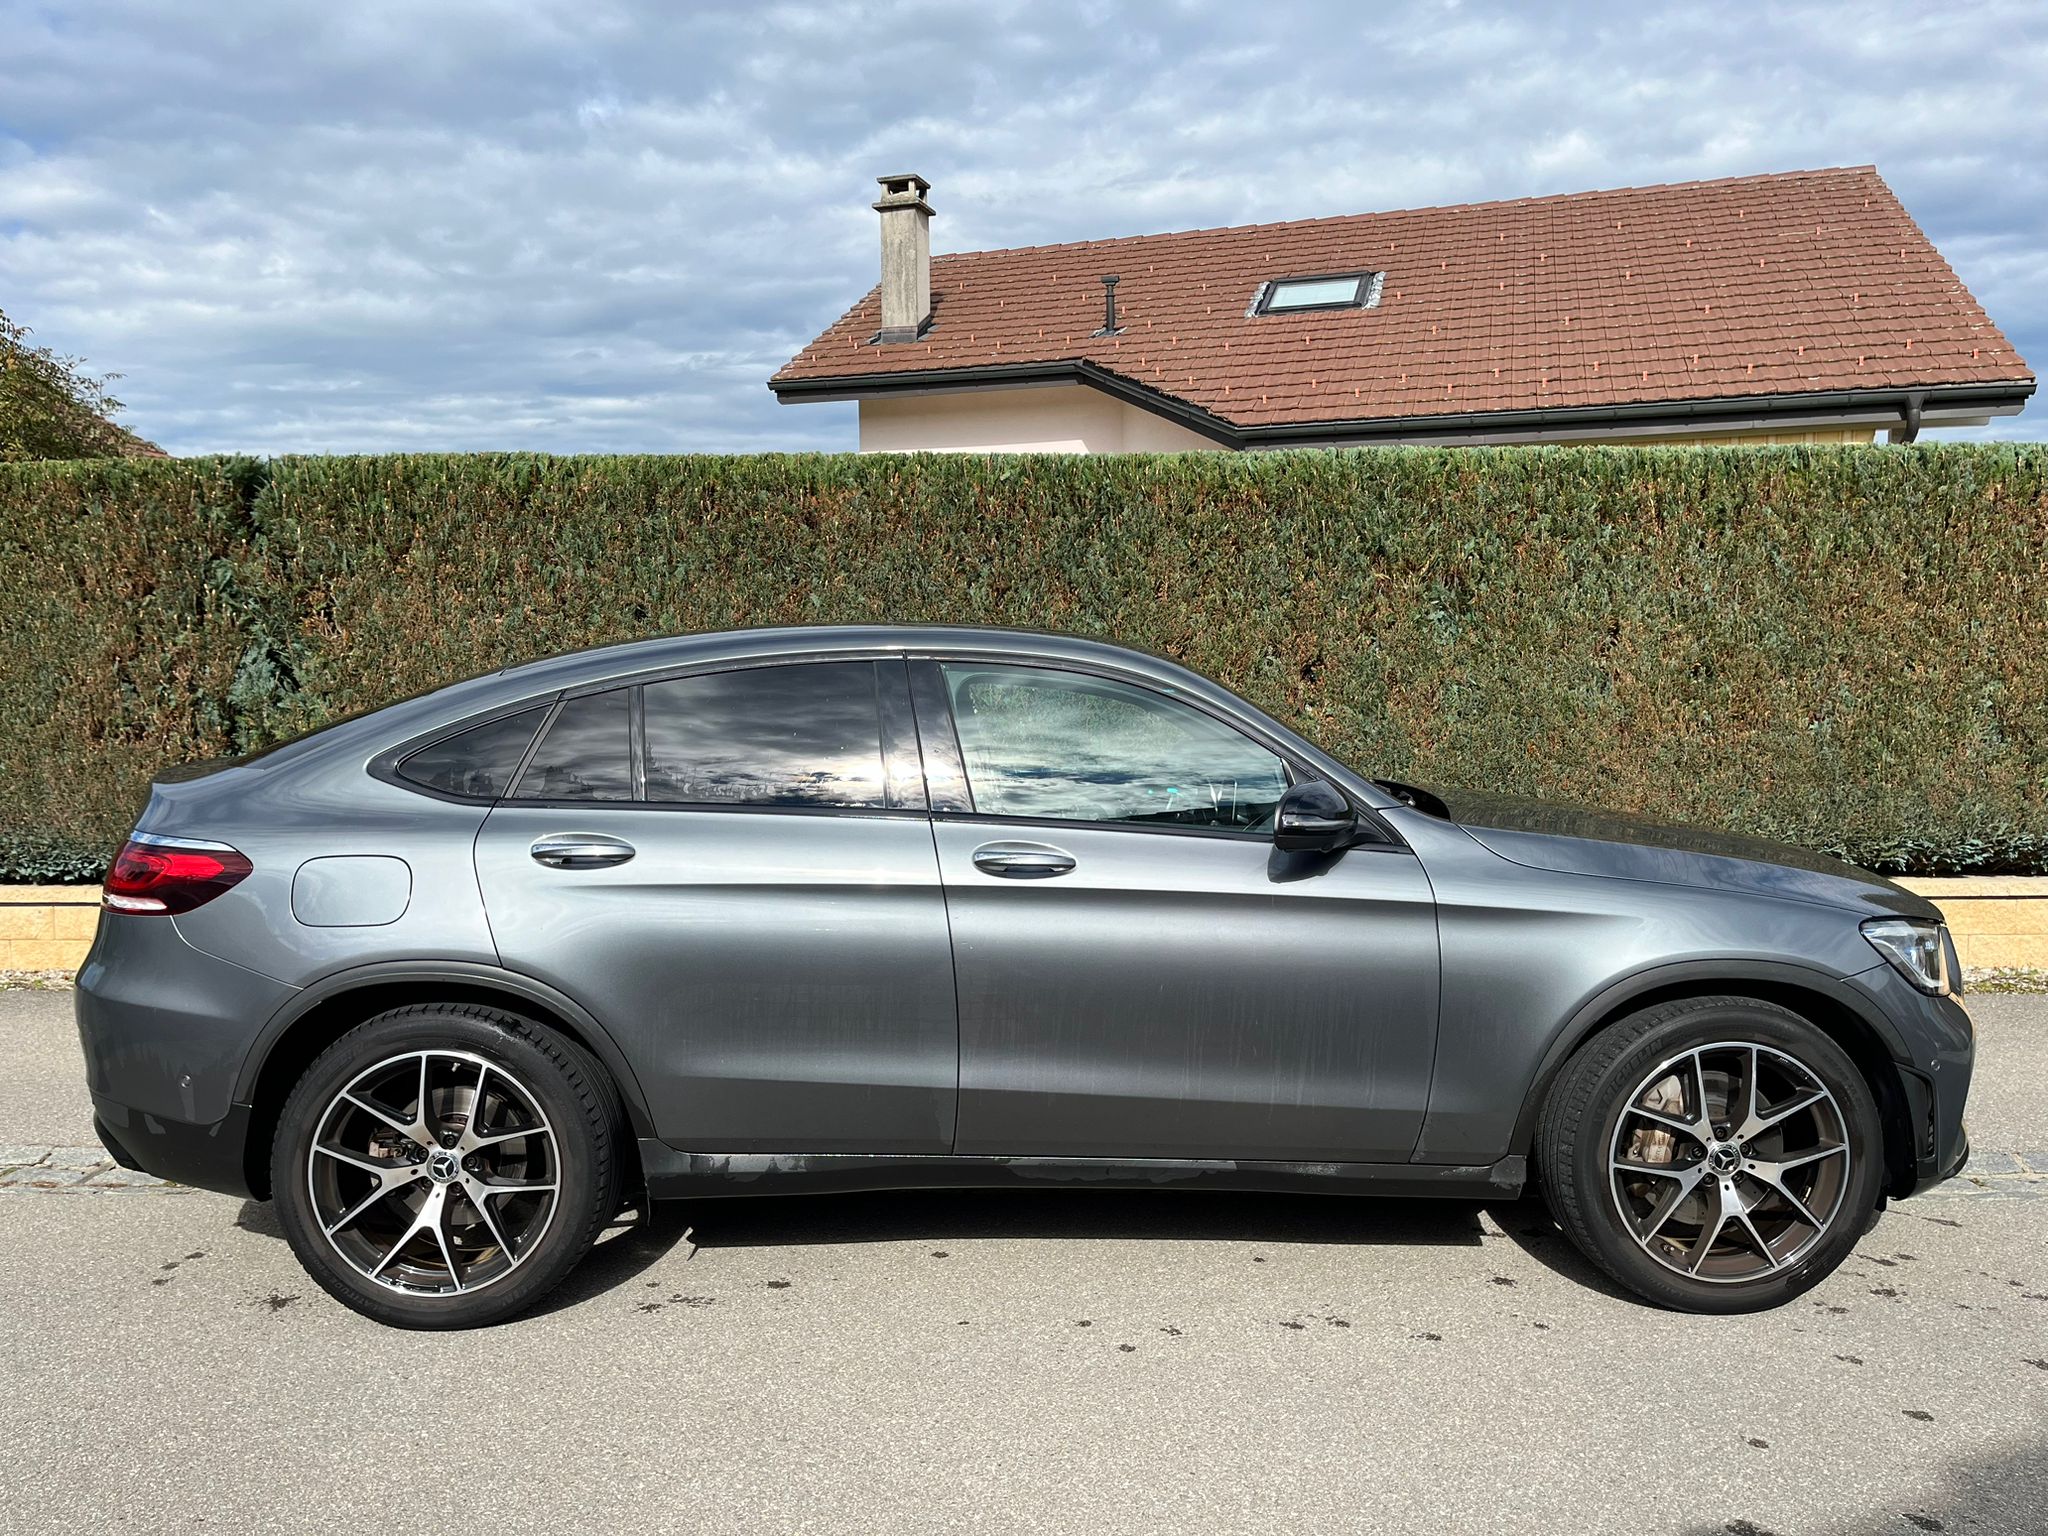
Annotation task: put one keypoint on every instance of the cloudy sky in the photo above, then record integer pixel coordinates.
(597, 225)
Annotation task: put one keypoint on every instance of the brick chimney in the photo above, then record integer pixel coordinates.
(906, 257)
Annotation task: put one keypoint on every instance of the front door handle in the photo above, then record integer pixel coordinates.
(580, 850)
(1022, 861)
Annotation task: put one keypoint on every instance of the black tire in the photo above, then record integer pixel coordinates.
(584, 1118)
(1576, 1136)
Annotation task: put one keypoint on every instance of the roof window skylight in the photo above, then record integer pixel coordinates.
(1343, 290)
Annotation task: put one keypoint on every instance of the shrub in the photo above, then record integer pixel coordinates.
(51, 408)
(1837, 647)
(127, 641)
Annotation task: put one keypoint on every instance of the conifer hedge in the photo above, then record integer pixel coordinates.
(1845, 648)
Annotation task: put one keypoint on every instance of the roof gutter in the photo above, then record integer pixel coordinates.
(1916, 406)
(1908, 408)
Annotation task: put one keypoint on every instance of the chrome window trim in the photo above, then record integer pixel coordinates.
(911, 653)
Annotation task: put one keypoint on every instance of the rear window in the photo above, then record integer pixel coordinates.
(797, 735)
(479, 762)
(587, 753)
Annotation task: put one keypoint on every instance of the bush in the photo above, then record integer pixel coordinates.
(51, 408)
(1836, 647)
(127, 641)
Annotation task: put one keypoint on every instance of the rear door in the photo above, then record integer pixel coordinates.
(1141, 974)
(733, 870)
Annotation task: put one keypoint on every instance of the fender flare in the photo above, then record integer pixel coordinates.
(1708, 975)
(461, 972)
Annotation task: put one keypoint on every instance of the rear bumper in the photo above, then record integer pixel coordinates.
(204, 1156)
(165, 1030)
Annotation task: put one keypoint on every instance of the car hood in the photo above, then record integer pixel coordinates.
(1581, 841)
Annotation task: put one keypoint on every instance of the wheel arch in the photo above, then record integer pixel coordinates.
(1853, 1023)
(328, 1009)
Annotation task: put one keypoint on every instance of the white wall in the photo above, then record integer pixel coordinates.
(1073, 418)
(1051, 418)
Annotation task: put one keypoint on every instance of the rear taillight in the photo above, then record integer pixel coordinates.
(155, 875)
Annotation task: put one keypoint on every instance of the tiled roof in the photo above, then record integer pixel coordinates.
(1801, 283)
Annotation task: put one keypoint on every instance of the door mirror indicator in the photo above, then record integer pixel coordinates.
(1314, 818)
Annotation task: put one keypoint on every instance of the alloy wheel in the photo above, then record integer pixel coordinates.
(1730, 1162)
(434, 1172)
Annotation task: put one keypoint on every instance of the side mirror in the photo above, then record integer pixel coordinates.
(1314, 818)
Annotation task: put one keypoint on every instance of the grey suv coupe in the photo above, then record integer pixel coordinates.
(861, 908)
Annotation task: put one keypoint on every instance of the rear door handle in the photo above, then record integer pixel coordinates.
(1022, 861)
(580, 850)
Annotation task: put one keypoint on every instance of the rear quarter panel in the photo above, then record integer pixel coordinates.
(281, 819)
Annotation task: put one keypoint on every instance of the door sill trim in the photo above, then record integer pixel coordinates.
(674, 1174)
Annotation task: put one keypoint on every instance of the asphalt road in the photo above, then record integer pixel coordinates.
(1041, 1361)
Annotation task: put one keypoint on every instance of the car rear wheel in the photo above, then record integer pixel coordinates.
(446, 1165)
(1715, 1154)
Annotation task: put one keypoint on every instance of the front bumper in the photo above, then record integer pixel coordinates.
(1934, 1050)
(1962, 1156)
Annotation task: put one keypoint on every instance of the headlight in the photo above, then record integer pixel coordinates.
(1915, 948)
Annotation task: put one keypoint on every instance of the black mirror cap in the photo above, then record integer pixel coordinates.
(1314, 818)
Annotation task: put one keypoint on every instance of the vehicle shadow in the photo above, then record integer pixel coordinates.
(1986, 1489)
(1143, 1215)
(1528, 1225)
(626, 1250)
(1076, 1215)
(630, 1246)
(639, 1240)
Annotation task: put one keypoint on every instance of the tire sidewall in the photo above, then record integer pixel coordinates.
(570, 1228)
(1761, 1024)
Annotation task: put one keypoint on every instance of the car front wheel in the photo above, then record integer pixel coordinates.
(446, 1165)
(1715, 1154)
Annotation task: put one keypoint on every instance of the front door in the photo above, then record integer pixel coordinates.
(733, 871)
(1141, 974)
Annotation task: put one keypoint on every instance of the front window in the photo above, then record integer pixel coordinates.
(1063, 745)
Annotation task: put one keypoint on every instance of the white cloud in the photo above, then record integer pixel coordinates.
(593, 225)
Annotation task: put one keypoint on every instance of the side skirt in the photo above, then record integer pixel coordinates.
(676, 1175)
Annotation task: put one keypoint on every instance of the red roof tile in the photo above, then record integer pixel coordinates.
(1800, 283)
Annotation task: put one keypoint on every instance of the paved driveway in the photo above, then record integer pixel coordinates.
(1028, 1361)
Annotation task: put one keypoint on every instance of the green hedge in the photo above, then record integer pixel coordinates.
(126, 625)
(1838, 647)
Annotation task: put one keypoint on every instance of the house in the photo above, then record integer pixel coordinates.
(1802, 307)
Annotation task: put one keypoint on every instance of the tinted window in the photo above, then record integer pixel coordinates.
(796, 735)
(1060, 744)
(587, 753)
(480, 761)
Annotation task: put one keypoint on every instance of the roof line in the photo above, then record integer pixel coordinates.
(1384, 213)
(1894, 400)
